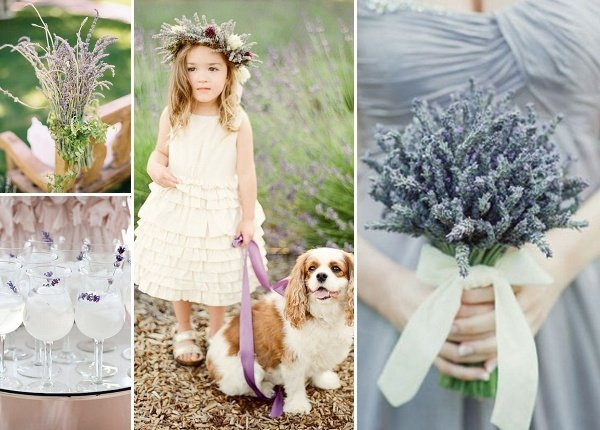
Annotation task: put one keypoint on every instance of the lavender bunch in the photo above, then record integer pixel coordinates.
(71, 79)
(474, 178)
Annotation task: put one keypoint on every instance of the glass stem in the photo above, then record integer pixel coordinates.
(2, 368)
(98, 349)
(47, 364)
(39, 353)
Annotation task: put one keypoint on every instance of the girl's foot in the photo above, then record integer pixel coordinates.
(185, 350)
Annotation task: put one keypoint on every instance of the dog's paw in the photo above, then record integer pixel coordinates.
(296, 406)
(267, 388)
(327, 380)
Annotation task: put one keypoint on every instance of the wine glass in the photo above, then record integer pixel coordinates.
(101, 252)
(11, 313)
(44, 243)
(99, 314)
(104, 253)
(48, 317)
(74, 260)
(127, 299)
(11, 253)
(30, 259)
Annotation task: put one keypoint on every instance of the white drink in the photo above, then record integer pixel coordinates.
(11, 312)
(49, 314)
(100, 319)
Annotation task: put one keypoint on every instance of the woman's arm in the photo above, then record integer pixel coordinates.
(159, 158)
(246, 173)
(389, 288)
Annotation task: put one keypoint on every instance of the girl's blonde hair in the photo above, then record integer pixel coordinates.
(181, 100)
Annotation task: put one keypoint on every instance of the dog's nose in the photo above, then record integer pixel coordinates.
(321, 277)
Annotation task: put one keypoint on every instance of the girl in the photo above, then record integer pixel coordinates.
(204, 189)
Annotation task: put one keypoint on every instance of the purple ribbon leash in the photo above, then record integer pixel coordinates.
(246, 330)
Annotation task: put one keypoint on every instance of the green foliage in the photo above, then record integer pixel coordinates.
(74, 143)
(59, 183)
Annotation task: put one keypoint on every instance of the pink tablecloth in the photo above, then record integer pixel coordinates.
(105, 412)
(99, 219)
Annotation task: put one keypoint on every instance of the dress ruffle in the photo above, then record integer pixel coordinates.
(183, 245)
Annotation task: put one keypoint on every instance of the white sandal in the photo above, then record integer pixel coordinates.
(181, 350)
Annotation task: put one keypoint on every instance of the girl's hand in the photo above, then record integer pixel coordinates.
(162, 176)
(246, 229)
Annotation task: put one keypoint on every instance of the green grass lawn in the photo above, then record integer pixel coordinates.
(300, 102)
(17, 76)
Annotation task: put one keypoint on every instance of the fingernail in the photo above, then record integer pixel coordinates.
(454, 329)
(465, 350)
(490, 367)
(484, 376)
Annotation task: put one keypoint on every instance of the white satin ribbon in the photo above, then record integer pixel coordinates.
(428, 328)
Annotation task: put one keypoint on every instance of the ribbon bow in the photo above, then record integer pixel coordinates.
(428, 328)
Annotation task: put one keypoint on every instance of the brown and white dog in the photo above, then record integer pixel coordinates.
(301, 336)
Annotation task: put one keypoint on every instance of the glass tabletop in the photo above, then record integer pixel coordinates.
(70, 374)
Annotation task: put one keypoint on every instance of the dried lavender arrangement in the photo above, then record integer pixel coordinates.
(71, 79)
(475, 179)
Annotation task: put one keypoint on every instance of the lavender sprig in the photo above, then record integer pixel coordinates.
(90, 297)
(473, 176)
(119, 256)
(12, 286)
(50, 282)
(46, 238)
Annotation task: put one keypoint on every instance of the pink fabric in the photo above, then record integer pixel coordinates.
(103, 412)
(100, 219)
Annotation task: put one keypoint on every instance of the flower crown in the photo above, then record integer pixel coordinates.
(221, 38)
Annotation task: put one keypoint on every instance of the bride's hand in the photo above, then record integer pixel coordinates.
(473, 335)
(472, 338)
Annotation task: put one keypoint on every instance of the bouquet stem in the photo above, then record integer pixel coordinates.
(478, 389)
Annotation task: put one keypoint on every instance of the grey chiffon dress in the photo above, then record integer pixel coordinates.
(547, 52)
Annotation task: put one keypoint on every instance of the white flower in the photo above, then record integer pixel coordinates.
(234, 42)
(243, 75)
(177, 28)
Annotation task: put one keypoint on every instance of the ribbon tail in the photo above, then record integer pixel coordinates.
(419, 344)
(517, 362)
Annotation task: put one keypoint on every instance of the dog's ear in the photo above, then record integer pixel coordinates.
(349, 305)
(296, 295)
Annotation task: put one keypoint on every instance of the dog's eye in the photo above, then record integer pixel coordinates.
(335, 269)
(312, 268)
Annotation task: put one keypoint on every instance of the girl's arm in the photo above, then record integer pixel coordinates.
(246, 173)
(159, 158)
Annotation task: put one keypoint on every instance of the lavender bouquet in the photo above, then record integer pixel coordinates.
(475, 179)
(71, 79)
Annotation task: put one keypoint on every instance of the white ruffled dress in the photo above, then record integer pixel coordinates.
(183, 240)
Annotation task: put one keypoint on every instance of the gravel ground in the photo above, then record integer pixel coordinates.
(171, 396)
